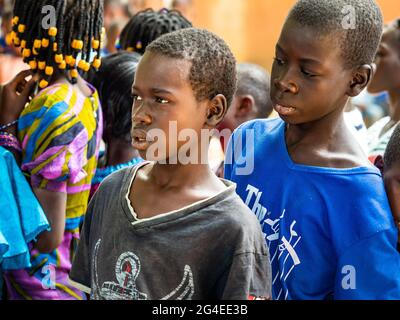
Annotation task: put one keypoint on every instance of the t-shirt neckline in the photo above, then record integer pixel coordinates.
(301, 167)
(130, 213)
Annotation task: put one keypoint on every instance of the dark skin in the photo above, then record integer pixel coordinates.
(14, 98)
(392, 185)
(387, 76)
(310, 87)
(162, 93)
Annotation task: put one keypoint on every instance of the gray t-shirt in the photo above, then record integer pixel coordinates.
(213, 249)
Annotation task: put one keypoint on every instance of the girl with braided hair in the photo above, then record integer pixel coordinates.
(59, 133)
(146, 26)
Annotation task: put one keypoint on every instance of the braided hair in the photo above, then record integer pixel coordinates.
(148, 25)
(77, 33)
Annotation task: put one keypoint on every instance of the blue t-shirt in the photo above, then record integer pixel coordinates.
(329, 231)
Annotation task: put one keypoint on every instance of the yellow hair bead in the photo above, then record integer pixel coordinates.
(77, 44)
(26, 53)
(35, 52)
(49, 70)
(95, 44)
(23, 44)
(130, 49)
(42, 65)
(58, 58)
(37, 44)
(62, 65)
(9, 39)
(43, 84)
(45, 43)
(33, 64)
(17, 41)
(87, 67)
(74, 73)
(81, 64)
(15, 20)
(21, 28)
(139, 45)
(68, 59)
(55, 46)
(52, 31)
(13, 35)
(96, 63)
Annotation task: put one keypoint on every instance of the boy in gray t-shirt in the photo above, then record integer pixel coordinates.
(167, 228)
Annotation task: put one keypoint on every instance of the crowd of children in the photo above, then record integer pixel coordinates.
(102, 203)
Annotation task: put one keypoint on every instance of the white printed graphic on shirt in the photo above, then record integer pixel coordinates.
(280, 247)
(127, 270)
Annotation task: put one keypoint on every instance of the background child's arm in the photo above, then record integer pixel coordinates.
(54, 206)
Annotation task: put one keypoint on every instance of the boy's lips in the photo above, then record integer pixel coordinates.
(284, 110)
(140, 140)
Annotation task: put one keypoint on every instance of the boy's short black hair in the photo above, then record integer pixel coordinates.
(114, 82)
(392, 153)
(255, 80)
(359, 44)
(213, 69)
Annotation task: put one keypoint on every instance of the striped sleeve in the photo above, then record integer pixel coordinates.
(54, 141)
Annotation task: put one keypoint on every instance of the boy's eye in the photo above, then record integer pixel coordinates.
(161, 100)
(280, 62)
(307, 74)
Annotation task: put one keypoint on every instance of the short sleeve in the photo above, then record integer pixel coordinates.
(80, 275)
(248, 277)
(54, 143)
(369, 270)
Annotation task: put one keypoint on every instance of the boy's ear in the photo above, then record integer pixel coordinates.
(245, 106)
(216, 110)
(361, 77)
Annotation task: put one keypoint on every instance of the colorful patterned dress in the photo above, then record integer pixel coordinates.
(60, 132)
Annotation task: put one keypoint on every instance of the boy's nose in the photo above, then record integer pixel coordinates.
(139, 115)
(286, 86)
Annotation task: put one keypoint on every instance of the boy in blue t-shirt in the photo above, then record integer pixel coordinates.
(322, 205)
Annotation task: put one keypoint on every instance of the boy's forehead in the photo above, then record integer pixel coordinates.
(305, 43)
(158, 69)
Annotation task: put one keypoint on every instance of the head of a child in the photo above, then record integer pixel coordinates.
(148, 25)
(115, 10)
(391, 173)
(251, 100)
(58, 37)
(113, 82)
(324, 56)
(183, 86)
(387, 76)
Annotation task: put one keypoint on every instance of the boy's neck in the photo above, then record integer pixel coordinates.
(317, 132)
(394, 105)
(326, 142)
(178, 176)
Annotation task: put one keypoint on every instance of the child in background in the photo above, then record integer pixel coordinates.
(322, 205)
(116, 102)
(387, 78)
(390, 167)
(251, 101)
(148, 25)
(165, 229)
(59, 131)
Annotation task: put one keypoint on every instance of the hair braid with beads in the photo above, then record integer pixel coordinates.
(147, 25)
(77, 32)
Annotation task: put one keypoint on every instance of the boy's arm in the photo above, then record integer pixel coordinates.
(369, 270)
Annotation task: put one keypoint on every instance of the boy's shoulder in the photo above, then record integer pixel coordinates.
(235, 213)
(261, 126)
